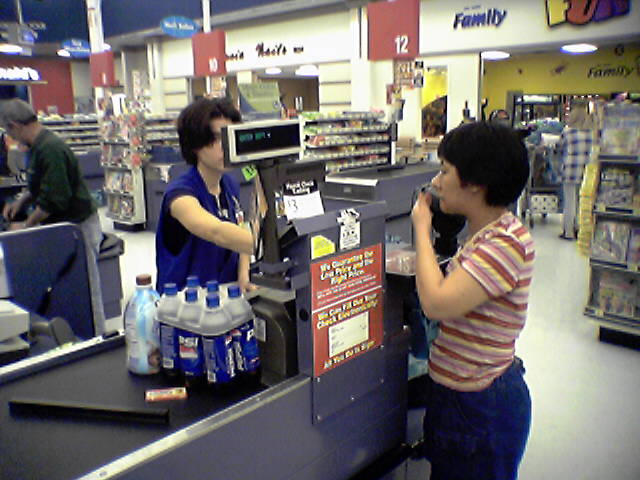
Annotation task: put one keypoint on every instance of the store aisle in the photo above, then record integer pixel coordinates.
(585, 393)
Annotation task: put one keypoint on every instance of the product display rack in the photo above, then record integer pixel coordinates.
(347, 140)
(160, 129)
(614, 260)
(80, 132)
(123, 154)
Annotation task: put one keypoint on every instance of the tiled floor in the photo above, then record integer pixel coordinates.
(586, 422)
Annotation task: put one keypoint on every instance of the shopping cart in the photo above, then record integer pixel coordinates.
(541, 195)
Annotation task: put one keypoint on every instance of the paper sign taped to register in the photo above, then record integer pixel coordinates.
(349, 228)
(302, 199)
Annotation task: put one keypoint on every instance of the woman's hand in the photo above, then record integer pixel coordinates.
(421, 214)
(245, 284)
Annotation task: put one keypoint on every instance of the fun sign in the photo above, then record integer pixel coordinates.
(582, 12)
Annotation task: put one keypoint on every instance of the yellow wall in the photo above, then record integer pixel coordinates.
(435, 85)
(560, 73)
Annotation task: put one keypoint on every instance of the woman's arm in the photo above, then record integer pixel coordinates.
(243, 273)
(440, 297)
(188, 211)
(444, 297)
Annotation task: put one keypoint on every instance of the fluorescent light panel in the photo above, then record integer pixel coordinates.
(10, 48)
(494, 55)
(307, 71)
(273, 70)
(577, 48)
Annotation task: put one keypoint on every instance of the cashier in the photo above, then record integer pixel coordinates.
(201, 229)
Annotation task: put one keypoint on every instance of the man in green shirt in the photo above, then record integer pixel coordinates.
(55, 187)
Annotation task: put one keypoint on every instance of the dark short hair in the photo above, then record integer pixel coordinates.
(194, 124)
(488, 155)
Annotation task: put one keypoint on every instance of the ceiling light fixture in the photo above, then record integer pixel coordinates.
(273, 71)
(578, 48)
(307, 71)
(494, 55)
(10, 48)
(63, 52)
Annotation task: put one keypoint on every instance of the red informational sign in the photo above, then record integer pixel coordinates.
(209, 57)
(102, 69)
(347, 306)
(393, 29)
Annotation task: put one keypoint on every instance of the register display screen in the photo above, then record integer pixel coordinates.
(254, 140)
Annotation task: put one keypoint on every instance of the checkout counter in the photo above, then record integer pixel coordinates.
(332, 398)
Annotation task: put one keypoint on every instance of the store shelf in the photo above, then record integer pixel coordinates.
(618, 267)
(343, 116)
(619, 159)
(115, 166)
(615, 322)
(342, 155)
(615, 212)
(76, 127)
(341, 130)
(118, 192)
(329, 142)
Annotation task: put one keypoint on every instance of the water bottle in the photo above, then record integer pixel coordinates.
(189, 315)
(193, 281)
(245, 344)
(167, 316)
(238, 307)
(217, 343)
(169, 304)
(213, 287)
(141, 329)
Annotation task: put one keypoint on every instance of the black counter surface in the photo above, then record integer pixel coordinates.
(63, 448)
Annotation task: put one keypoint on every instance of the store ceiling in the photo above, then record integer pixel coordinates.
(128, 23)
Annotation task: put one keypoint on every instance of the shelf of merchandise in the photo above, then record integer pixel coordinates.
(610, 307)
(123, 152)
(160, 129)
(347, 140)
(80, 132)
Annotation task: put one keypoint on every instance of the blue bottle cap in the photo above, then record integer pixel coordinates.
(170, 289)
(213, 300)
(213, 286)
(191, 295)
(234, 291)
(193, 281)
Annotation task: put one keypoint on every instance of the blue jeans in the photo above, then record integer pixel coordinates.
(478, 435)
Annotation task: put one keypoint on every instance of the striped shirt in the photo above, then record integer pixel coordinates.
(474, 349)
(575, 146)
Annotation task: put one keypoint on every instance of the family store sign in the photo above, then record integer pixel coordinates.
(475, 17)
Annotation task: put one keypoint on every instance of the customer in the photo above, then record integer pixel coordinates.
(56, 189)
(199, 230)
(575, 147)
(478, 408)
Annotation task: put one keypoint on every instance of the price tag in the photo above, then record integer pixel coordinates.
(599, 312)
(634, 267)
(599, 207)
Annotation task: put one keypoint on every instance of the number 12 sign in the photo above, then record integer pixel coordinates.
(393, 29)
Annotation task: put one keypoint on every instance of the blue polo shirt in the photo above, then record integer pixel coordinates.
(179, 253)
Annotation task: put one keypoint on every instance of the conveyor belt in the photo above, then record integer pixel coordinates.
(64, 448)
